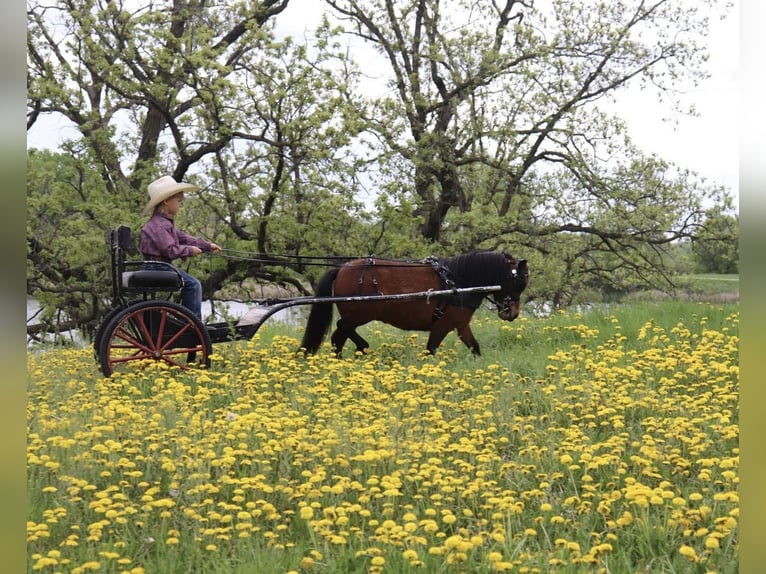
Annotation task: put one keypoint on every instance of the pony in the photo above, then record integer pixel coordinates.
(438, 314)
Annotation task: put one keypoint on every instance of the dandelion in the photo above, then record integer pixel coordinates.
(494, 557)
(688, 552)
(449, 519)
(436, 463)
(711, 543)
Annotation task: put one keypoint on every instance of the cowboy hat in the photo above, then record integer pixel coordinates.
(163, 188)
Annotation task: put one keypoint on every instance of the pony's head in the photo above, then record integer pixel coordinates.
(508, 298)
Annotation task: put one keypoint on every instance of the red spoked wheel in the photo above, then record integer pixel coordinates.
(154, 331)
(99, 335)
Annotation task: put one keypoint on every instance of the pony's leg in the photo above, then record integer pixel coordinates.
(338, 339)
(344, 332)
(361, 344)
(435, 338)
(466, 335)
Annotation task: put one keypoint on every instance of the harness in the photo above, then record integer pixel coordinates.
(445, 276)
(464, 300)
(446, 279)
(369, 262)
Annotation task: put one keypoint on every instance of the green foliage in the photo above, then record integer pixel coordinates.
(68, 215)
(400, 132)
(716, 245)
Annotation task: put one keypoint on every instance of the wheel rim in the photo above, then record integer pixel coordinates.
(158, 333)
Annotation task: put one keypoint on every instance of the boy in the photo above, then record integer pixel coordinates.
(161, 241)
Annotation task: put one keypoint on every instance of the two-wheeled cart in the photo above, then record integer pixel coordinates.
(144, 324)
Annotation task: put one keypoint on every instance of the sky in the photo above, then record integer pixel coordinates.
(707, 144)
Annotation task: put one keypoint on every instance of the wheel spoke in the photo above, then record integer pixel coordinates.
(154, 331)
(175, 337)
(133, 341)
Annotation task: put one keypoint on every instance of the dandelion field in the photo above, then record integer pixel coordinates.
(596, 442)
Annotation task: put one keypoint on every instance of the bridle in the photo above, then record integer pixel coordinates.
(510, 293)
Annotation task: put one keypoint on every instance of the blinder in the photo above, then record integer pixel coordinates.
(512, 287)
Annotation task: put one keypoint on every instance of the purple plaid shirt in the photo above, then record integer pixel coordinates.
(161, 241)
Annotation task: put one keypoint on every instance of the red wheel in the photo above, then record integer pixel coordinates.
(98, 337)
(154, 331)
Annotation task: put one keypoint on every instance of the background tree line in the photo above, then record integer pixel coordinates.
(401, 128)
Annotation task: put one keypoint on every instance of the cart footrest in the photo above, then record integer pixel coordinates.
(220, 332)
(253, 316)
(225, 332)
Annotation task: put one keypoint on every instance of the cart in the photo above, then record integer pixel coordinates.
(146, 324)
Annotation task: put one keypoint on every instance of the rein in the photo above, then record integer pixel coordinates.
(253, 257)
(324, 260)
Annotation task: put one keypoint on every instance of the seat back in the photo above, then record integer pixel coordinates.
(137, 276)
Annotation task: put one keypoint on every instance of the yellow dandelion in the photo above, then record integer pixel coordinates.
(711, 543)
(494, 556)
(688, 552)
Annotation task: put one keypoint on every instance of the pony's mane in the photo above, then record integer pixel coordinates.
(477, 268)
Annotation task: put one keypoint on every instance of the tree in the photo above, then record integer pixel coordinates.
(716, 245)
(477, 124)
(62, 212)
(203, 92)
(495, 109)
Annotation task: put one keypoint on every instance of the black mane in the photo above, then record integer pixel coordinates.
(477, 268)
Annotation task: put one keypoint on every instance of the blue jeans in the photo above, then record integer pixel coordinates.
(191, 294)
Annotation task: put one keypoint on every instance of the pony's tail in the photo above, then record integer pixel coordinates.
(320, 315)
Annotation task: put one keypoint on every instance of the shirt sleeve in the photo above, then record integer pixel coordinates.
(162, 241)
(186, 239)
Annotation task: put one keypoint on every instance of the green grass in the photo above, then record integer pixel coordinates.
(712, 284)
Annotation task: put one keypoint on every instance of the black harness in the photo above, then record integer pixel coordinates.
(463, 300)
(446, 279)
(369, 262)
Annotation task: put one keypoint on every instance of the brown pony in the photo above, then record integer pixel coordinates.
(439, 315)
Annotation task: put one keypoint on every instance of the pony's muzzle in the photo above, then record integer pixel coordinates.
(509, 310)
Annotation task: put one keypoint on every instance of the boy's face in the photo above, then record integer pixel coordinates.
(173, 204)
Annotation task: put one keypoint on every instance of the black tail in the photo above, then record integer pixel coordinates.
(320, 315)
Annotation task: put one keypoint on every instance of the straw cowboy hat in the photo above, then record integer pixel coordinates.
(163, 188)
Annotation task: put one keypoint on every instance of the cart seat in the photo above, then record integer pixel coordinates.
(145, 278)
(151, 279)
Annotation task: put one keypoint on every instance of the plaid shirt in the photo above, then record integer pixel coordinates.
(161, 241)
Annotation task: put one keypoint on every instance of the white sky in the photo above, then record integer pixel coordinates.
(707, 144)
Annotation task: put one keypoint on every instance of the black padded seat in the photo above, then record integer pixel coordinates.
(151, 279)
